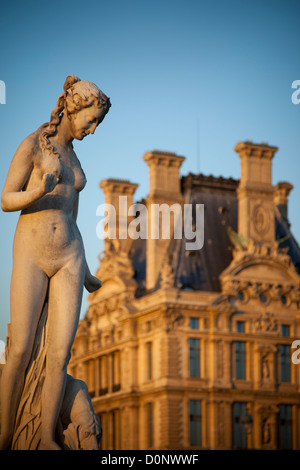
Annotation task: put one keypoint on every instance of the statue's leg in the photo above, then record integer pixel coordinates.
(28, 291)
(65, 294)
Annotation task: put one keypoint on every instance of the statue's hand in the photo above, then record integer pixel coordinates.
(92, 283)
(49, 182)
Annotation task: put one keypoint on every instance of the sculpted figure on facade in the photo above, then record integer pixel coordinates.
(49, 273)
(265, 367)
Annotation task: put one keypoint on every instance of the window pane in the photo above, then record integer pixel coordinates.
(149, 353)
(263, 298)
(285, 427)
(240, 360)
(285, 363)
(240, 326)
(241, 296)
(285, 330)
(194, 357)
(283, 299)
(239, 435)
(195, 423)
(194, 323)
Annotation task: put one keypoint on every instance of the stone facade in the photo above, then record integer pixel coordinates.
(192, 349)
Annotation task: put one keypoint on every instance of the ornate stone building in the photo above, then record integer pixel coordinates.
(191, 349)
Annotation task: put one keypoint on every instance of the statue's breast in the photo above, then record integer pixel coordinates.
(79, 179)
(67, 169)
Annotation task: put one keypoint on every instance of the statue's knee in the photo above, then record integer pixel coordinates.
(19, 357)
(58, 359)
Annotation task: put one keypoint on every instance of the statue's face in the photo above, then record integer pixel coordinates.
(86, 120)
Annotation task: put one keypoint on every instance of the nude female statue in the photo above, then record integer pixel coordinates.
(44, 181)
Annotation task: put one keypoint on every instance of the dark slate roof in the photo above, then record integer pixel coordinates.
(286, 239)
(200, 270)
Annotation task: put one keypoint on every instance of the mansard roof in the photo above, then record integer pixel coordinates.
(200, 270)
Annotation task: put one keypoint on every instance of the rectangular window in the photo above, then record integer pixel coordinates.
(195, 420)
(285, 363)
(240, 360)
(285, 330)
(240, 326)
(239, 433)
(194, 323)
(149, 360)
(194, 357)
(285, 424)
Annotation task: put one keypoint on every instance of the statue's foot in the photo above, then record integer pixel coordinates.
(49, 445)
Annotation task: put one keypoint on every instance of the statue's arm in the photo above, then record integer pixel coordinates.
(91, 283)
(13, 197)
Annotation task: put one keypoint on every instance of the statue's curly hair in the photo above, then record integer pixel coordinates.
(74, 98)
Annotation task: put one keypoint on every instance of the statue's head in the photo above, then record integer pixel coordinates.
(84, 104)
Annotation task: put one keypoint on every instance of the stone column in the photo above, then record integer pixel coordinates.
(227, 363)
(104, 375)
(227, 424)
(97, 376)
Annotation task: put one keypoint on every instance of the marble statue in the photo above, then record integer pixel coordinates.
(41, 405)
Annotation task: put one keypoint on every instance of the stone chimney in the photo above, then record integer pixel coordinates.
(256, 192)
(114, 191)
(282, 191)
(164, 188)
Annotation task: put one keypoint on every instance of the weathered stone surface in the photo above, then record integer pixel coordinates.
(41, 406)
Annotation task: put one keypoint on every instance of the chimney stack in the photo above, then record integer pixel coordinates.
(114, 191)
(256, 192)
(164, 188)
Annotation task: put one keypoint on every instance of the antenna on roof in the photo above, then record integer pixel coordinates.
(198, 145)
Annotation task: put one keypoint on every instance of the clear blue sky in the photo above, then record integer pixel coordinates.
(166, 65)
